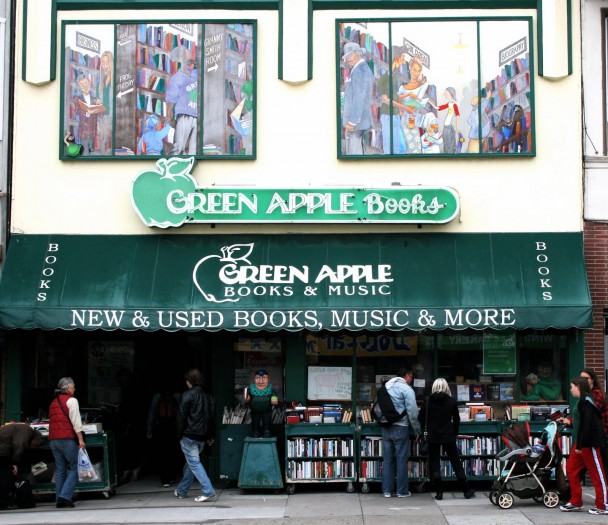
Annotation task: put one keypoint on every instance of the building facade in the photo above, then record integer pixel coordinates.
(321, 191)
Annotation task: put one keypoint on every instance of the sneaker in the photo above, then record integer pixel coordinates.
(406, 495)
(598, 511)
(177, 495)
(568, 507)
(200, 499)
(387, 494)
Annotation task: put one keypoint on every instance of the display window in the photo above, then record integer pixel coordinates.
(435, 87)
(136, 90)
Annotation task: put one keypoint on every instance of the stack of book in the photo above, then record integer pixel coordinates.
(332, 413)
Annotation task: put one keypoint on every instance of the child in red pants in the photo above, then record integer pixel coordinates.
(586, 452)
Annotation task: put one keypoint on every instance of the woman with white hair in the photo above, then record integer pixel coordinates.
(65, 438)
(442, 424)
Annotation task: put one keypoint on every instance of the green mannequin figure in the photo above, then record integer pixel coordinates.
(543, 386)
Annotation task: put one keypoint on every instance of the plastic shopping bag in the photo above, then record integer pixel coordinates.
(86, 470)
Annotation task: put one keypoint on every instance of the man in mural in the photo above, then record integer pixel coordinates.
(87, 109)
(392, 122)
(183, 94)
(358, 88)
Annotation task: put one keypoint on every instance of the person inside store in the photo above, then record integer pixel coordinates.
(443, 422)
(195, 428)
(543, 385)
(261, 397)
(588, 436)
(65, 438)
(131, 427)
(16, 439)
(162, 432)
(395, 438)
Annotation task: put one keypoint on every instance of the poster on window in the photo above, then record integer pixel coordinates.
(106, 359)
(435, 87)
(158, 89)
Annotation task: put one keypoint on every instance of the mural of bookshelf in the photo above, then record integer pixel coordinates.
(510, 113)
(320, 453)
(156, 63)
(238, 89)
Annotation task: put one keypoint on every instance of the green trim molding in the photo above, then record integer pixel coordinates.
(39, 42)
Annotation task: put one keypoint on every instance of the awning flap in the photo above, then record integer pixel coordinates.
(296, 282)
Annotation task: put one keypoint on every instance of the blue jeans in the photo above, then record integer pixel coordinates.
(399, 147)
(396, 445)
(193, 468)
(65, 452)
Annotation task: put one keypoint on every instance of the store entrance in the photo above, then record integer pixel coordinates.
(118, 375)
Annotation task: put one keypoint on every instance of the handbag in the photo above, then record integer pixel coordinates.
(423, 445)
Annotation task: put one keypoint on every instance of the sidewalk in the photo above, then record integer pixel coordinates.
(142, 502)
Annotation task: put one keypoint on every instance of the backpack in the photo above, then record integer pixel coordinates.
(24, 496)
(383, 409)
(167, 407)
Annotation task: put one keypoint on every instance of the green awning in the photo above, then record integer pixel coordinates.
(295, 282)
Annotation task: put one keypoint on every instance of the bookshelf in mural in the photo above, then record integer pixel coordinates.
(228, 76)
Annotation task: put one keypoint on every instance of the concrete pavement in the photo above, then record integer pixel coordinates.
(143, 502)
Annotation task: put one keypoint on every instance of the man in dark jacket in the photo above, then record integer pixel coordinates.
(15, 440)
(195, 428)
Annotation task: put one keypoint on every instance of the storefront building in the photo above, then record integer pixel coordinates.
(331, 193)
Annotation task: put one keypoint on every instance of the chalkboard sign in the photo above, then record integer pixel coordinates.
(499, 353)
(332, 383)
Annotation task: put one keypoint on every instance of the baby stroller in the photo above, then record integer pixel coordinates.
(527, 469)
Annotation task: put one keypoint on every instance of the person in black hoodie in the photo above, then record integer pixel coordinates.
(443, 421)
(589, 438)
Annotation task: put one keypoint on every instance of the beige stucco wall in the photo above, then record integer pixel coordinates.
(296, 147)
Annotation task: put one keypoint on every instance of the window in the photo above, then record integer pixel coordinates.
(158, 89)
(439, 87)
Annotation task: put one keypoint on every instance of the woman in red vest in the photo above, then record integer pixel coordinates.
(65, 437)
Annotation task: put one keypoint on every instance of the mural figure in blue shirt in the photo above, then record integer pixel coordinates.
(183, 93)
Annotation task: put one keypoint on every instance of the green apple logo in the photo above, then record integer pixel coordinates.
(153, 191)
(206, 273)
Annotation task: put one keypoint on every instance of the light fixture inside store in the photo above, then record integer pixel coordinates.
(460, 45)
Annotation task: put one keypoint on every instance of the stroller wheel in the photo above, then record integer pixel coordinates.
(505, 500)
(550, 499)
(493, 497)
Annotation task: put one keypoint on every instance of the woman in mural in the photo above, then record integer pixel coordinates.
(413, 95)
(105, 91)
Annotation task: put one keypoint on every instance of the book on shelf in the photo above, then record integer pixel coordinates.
(493, 392)
(463, 393)
(506, 391)
(477, 392)
(520, 412)
(540, 412)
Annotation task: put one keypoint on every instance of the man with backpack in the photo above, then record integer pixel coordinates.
(395, 435)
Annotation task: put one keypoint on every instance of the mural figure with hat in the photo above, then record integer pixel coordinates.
(358, 88)
(261, 397)
(151, 141)
(183, 93)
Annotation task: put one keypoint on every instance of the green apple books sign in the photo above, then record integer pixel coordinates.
(169, 197)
